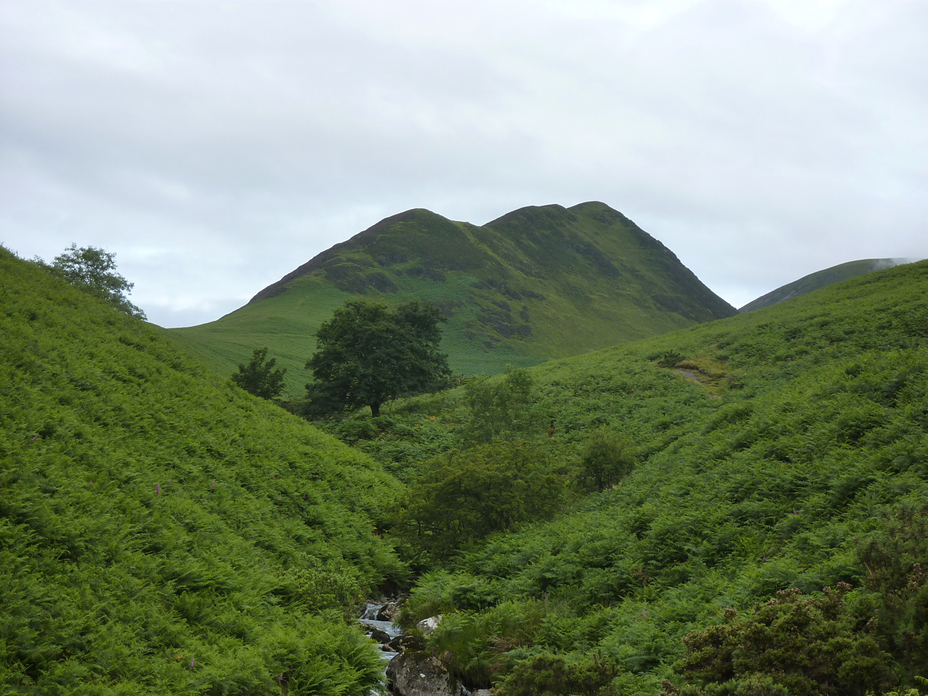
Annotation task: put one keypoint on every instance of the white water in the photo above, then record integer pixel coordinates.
(369, 620)
(371, 611)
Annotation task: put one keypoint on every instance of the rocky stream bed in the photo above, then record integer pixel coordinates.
(411, 670)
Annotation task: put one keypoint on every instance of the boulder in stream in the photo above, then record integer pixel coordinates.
(380, 636)
(414, 673)
(407, 642)
(389, 611)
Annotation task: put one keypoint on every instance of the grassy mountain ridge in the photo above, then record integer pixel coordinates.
(784, 448)
(165, 532)
(818, 280)
(537, 283)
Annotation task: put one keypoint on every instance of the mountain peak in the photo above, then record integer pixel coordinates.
(539, 282)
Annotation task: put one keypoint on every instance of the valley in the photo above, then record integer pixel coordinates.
(626, 520)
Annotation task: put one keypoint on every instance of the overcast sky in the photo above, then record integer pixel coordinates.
(214, 146)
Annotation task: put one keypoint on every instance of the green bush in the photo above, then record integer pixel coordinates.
(500, 409)
(606, 459)
(469, 495)
(553, 675)
(897, 571)
(791, 644)
(473, 646)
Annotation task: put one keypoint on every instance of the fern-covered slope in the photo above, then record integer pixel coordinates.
(772, 448)
(537, 283)
(162, 531)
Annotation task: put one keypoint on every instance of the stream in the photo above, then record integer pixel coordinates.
(375, 619)
(378, 629)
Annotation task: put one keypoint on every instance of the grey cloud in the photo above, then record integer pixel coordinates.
(215, 146)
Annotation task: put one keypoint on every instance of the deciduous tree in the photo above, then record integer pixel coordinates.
(259, 376)
(93, 270)
(368, 354)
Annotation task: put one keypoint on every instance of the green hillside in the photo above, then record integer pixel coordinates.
(668, 509)
(536, 284)
(161, 531)
(818, 280)
(784, 448)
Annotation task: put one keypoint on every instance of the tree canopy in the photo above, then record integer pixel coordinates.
(259, 376)
(500, 408)
(93, 270)
(368, 354)
(466, 496)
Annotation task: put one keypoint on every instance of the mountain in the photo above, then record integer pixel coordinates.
(162, 531)
(538, 283)
(820, 279)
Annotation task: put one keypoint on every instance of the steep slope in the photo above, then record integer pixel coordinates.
(535, 284)
(162, 531)
(784, 448)
(820, 279)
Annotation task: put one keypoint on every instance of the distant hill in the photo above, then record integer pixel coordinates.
(537, 283)
(820, 279)
(162, 531)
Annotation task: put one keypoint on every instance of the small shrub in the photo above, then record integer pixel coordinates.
(552, 675)
(670, 358)
(606, 460)
(500, 409)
